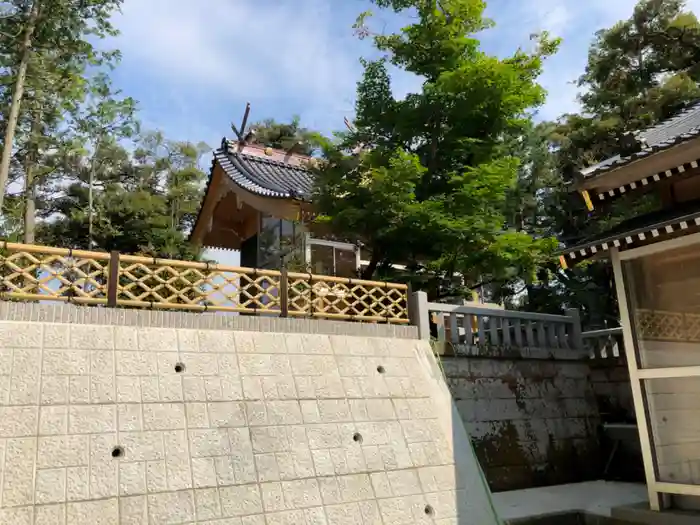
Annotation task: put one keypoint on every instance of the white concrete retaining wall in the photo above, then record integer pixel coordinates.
(111, 421)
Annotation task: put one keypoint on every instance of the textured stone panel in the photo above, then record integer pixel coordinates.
(137, 424)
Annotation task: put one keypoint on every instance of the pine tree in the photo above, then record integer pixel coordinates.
(55, 37)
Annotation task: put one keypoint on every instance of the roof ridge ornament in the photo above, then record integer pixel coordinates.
(243, 137)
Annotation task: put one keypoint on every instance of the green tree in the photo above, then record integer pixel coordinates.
(529, 201)
(55, 88)
(184, 182)
(289, 136)
(429, 185)
(104, 117)
(143, 202)
(172, 165)
(646, 67)
(639, 71)
(39, 30)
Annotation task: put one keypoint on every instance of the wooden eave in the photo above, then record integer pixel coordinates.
(649, 229)
(245, 181)
(641, 176)
(229, 213)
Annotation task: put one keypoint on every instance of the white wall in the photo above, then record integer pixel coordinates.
(260, 427)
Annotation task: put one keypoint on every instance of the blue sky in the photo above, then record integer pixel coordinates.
(193, 65)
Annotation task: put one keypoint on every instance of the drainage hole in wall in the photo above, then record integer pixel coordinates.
(429, 510)
(381, 369)
(117, 452)
(179, 368)
(357, 437)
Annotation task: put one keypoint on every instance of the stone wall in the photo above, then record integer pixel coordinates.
(114, 416)
(610, 380)
(532, 415)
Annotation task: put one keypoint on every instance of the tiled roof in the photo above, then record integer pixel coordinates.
(656, 225)
(260, 175)
(266, 177)
(682, 127)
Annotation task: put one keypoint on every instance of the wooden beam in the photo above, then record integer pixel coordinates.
(245, 121)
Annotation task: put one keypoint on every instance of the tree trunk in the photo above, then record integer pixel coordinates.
(368, 272)
(17, 95)
(29, 205)
(91, 184)
(29, 220)
(30, 182)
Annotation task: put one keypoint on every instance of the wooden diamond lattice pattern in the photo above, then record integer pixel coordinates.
(661, 325)
(29, 273)
(692, 327)
(334, 299)
(259, 293)
(364, 303)
(54, 275)
(376, 298)
(168, 284)
(161, 284)
(299, 296)
(394, 302)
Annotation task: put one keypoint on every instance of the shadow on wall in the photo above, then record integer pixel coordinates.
(568, 518)
(523, 385)
(619, 437)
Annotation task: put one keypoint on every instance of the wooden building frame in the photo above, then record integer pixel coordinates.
(251, 185)
(656, 265)
(658, 488)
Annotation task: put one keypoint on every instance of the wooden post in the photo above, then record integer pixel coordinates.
(113, 279)
(284, 293)
(311, 295)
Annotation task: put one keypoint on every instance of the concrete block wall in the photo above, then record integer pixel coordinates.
(123, 417)
(610, 380)
(532, 418)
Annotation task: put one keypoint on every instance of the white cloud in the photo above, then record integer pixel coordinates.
(236, 47)
(300, 55)
(550, 15)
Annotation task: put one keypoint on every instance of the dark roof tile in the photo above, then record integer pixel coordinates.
(262, 176)
(266, 177)
(682, 127)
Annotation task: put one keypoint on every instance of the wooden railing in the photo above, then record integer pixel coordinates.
(604, 344)
(485, 327)
(43, 273)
